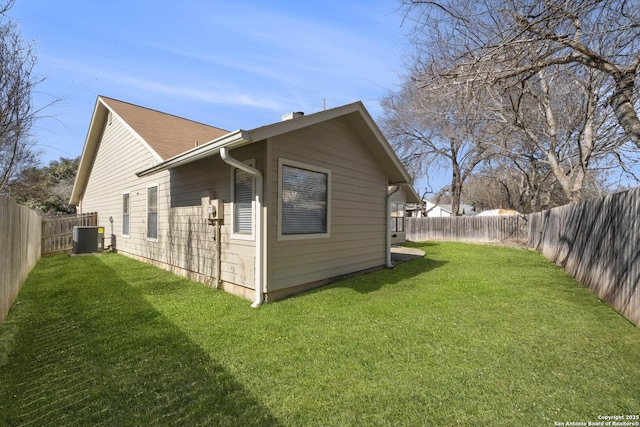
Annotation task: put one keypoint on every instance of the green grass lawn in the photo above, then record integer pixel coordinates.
(469, 335)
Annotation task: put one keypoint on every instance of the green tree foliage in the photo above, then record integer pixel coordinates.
(46, 189)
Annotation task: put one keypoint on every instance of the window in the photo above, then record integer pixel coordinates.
(397, 217)
(303, 201)
(243, 195)
(125, 214)
(152, 212)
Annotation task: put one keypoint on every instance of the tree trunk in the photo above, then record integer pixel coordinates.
(456, 188)
(622, 104)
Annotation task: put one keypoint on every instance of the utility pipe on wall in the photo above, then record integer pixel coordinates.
(389, 264)
(218, 252)
(224, 154)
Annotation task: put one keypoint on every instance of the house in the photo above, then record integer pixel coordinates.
(398, 208)
(438, 211)
(261, 213)
(499, 212)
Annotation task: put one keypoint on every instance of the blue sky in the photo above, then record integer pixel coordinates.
(232, 64)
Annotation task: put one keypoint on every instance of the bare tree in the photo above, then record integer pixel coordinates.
(17, 113)
(513, 40)
(517, 185)
(434, 127)
(558, 118)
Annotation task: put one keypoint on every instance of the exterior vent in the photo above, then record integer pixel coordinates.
(291, 116)
(88, 240)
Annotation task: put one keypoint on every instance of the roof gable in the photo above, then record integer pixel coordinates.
(355, 113)
(363, 124)
(166, 134)
(175, 141)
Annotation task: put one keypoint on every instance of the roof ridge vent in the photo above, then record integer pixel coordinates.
(292, 115)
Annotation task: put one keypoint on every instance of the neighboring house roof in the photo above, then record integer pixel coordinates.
(463, 209)
(164, 135)
(356, 113)
(466, 210)
(495, 212)
(432, 206)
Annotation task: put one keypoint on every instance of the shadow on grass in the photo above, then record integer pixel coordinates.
(376, 280)
(93, 352)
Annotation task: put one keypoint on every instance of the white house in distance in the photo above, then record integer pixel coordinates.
(437, 211)
(499, 212)
(262, 213)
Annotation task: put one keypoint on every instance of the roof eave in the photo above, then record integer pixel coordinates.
(88, 151)
(397, 173)
(412, 195)
(211, 148)
(395, 169)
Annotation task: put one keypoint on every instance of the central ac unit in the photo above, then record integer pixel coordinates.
(88, 239)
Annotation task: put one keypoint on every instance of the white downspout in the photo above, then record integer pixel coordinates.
(388, 237)
(224, 154)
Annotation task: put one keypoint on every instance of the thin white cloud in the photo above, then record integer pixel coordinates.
(201, 91)
(282, 46)
(237, 62)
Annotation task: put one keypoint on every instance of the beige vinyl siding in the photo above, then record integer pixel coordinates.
(119, 156)
(358, 210)
(211, 176)
(185, 240)
(189, 241)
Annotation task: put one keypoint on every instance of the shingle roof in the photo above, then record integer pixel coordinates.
(166, 134)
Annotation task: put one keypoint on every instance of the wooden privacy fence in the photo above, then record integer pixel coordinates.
(468, 228)
(598, 242)
(57, 232)
(19, 250)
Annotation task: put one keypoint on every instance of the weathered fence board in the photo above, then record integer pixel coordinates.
(468, 229)
(57, 232)
(598, 242)
(19, 251)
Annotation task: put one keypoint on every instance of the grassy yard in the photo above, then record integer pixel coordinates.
(469, 335)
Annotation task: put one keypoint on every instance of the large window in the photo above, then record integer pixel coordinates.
(243, 195)
(152, 212)
(304, 194)
(397, 217)
(125, 214)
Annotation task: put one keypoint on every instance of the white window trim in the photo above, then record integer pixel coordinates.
(128, 235)
(400, 208)
(146, 232)
(286, 162)
(243, 236)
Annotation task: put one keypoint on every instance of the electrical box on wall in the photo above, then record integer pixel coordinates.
(216, 209)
